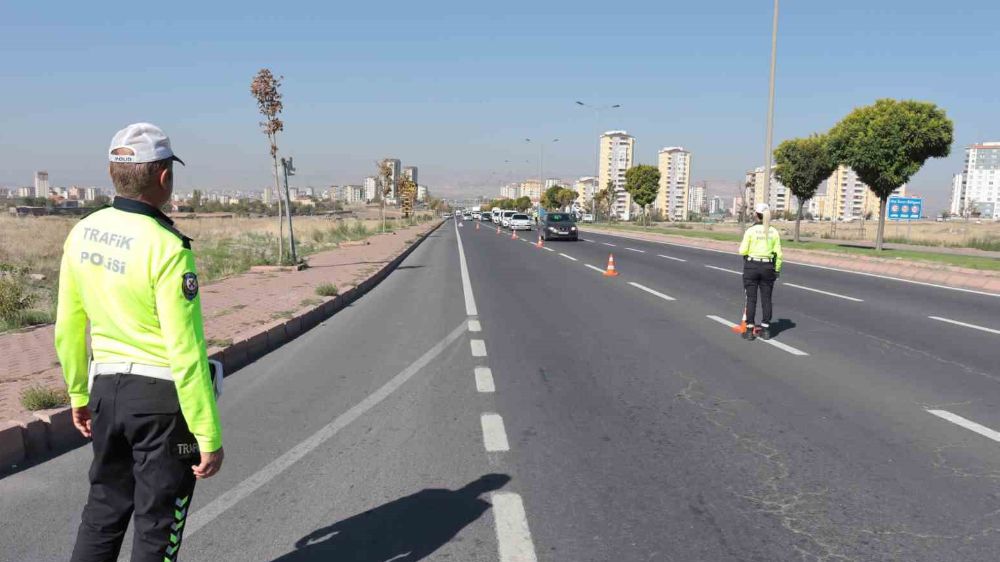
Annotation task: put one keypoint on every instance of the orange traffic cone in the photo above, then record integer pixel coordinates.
(498, 231)
(477, 226)
(513, 234)
(742, 326)
(611, 271)
(539, 243)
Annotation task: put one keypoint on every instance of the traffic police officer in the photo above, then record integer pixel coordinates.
(761, 251)
(146, 395)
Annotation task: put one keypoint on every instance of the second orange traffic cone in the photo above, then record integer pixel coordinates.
(477, 226)
(513, 234)
(611, 271)
(539, 243)
(498, 231)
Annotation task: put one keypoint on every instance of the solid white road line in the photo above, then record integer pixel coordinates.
(567, 257)
(652, 292)
(608, 244)
(724, 269)
(595, 268)
(470, 301)
(484, 380)
(478, 348)
(967, 424)
(494, 434)
(957, 323)
(513, 535)
(634, 250)
(773, 342)
(254, 482)
(670, 257)
(845, 297)
(474, 326)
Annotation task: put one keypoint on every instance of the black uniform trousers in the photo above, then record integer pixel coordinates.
(758, 276)
(143, 453)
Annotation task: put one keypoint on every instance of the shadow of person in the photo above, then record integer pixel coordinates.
(403, 530)
(781, 325)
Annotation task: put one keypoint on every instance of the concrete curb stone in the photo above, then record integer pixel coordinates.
(12, 449)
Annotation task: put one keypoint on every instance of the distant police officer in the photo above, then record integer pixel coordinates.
(146, 397)
(761, 251)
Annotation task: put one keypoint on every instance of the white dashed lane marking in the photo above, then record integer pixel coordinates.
(724, 269)
(967, 424)
(474, 326)
(652, 292)
(567, 257)
(513, 535)
(963, 324)
(772, 342)
(595, 268)
(634, 250)
(484, 380)
(608, 244)
(829, 294)
(670, 257)
(478, 348)
(494, 434)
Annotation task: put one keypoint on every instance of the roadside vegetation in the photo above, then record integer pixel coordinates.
(32, 247)
(37, 397)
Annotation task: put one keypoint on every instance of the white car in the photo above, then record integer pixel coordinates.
(519, 221)
(495, 215)
(505, 218)
(476, 215)
(588, 218)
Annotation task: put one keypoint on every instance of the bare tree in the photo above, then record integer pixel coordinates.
(264, 88)
(384, 182)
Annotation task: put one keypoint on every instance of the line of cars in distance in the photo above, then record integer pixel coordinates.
(551, 225)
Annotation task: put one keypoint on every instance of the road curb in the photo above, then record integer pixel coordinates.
(51, 432)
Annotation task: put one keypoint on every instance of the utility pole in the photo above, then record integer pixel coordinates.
(289, 169)
(770, 108)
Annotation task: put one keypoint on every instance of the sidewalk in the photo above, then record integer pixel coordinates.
(947, 275)
(237, 309)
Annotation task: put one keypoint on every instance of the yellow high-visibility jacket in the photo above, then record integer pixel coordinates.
(129, 272)
(758, 245)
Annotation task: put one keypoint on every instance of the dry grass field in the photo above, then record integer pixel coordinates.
(32, 247)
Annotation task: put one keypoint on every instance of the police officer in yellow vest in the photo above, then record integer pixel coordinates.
(761, 251)
(144, 394)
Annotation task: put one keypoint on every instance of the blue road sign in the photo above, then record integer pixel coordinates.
(904, 208)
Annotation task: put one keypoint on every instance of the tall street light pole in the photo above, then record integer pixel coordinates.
(597, 109)
(770, 108)
(289, 169)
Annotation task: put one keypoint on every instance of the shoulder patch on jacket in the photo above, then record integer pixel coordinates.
(189, 286)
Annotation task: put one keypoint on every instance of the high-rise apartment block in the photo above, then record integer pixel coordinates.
(585, 188)
(41, 184)
(843, 196)
(394, 173)
(410, 172)
(777, 197)
(617, 149)
(671, 201)
(977, 188)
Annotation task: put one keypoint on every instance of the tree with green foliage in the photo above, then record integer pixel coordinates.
(801, 165)
(523, 203)
(889, 141)
(642, 182)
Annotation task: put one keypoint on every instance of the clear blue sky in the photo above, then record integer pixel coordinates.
(454, 88)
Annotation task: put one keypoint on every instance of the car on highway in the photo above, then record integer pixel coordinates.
(495, 215)
(588, 218)
(520, 221)
(476, 215)
(467, 216)
(505, 217)
(558, 226)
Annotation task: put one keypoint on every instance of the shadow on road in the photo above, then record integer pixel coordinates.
(403, 530)
(409, 267)
(780, 325)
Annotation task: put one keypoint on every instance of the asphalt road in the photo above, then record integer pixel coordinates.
(584, 418)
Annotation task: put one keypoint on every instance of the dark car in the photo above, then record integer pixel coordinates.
(558, 226)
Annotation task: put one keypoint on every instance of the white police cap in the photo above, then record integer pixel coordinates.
(761, 208)
(147, 142)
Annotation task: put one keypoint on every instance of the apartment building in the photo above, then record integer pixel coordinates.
(672, 197)
(977, 188)
(616, 154)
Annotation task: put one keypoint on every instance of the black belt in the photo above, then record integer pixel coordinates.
(765, 260)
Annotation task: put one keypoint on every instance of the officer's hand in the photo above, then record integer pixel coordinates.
(210, 464)
(81, 420)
